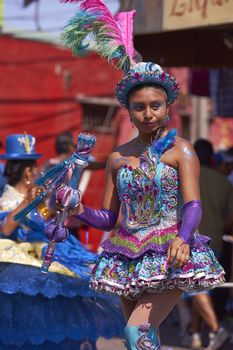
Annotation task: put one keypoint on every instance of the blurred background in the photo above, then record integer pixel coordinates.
(46, 92)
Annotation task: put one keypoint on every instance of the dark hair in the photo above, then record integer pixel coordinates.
(142, 86)
(63, 142)
(204, 150)
(14, 169)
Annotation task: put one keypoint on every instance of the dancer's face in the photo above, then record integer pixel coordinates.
(31, 173)
(148, 108)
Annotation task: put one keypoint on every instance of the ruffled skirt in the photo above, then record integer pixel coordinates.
(150, 272)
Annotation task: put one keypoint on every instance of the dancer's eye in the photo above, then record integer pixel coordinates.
(137, 107)
(156, 106)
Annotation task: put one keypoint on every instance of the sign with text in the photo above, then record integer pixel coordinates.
(178, 14)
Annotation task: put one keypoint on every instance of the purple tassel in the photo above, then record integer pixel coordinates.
(56, 232)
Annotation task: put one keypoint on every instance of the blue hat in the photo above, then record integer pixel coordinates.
(20, 146)
(146, 73)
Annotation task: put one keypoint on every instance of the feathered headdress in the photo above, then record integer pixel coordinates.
(112, 38)
(95, 27)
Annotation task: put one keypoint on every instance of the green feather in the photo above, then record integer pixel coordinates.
(85, 26)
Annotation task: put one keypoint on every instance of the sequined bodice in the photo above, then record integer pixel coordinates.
(150, 194)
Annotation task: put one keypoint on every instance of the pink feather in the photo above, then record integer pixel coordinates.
(120, 26)
(104, 14)
(125, 21)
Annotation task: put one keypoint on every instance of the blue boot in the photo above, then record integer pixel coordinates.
(142, 337)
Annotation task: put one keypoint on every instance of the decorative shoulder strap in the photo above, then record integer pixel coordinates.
(158, 147)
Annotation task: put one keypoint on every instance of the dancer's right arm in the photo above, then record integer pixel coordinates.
(105, 218)
(10, 223)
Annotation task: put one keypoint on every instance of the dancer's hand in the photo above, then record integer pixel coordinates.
(70, 212)
(178, 253)
(32, 193)
(69, 199)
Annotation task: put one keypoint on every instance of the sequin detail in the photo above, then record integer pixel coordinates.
(135, 258)
(146, 72)
(151, 273)
(151, 204)
(149, 194)
(144, 342)
(134, 245)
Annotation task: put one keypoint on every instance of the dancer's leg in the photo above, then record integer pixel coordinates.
(154, 308)
(128, 306)
(203, 304)
(196, 320)
(147, 315)
(196, 342)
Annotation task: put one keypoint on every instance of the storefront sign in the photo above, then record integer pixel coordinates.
(178, 14)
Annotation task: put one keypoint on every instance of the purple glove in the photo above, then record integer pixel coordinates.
(192, 212)
(103, 219)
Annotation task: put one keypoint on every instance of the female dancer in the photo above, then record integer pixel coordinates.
(41, 311)
(157, 253)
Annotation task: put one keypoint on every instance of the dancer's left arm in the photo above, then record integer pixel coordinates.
(188, 169)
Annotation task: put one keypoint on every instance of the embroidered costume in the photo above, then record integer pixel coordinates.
(134, 260)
